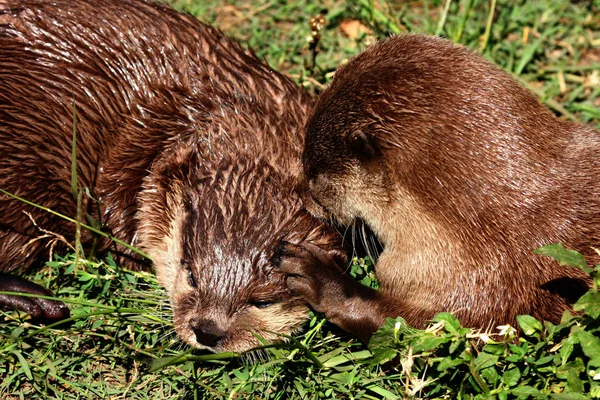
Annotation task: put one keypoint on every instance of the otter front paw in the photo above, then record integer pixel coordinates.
(41, 310)
(314, 273)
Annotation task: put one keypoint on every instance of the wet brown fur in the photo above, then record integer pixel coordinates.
(461, 173)
(191, 144)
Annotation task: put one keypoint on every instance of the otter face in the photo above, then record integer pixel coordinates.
(341, 164)
(212, 239)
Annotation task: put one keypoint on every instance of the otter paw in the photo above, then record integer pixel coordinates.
(312, 272)
(41, 310)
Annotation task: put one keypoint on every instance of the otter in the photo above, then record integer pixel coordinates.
(189, 145)
(461, 173)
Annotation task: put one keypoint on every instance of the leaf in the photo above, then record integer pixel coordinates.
(569, 396)
(566, 349)
(563, 256)
(590, 345)
(511, 377)
(383, 355)
(23, 363)
(490, 375)
(543, 360)
(451, 323)
(589, 303)
(495, 348)
(449, 362)
(428, 342)
(529, 325)
(485, 360)
(571, 372)
(387, 336)
(524, 392)
(384, 393)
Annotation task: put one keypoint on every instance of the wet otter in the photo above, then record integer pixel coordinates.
(191, 144)
(461, 173)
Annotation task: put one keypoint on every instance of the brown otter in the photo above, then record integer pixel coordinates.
(461, 173)
(191, 144)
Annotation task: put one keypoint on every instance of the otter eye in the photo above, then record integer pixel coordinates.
(262, 304)
(186, 266)
(191, 279)
(361, 144)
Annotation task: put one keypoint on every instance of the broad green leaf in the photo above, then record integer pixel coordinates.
(569, 396)
(383, 355)
(485, 360)
(524, 392)
(589, 303)
(511, 377)
(450, 362)
(564, 256)
(529, 325)
(590, 345)
(566, 349)
(428, 342)
(451, 323)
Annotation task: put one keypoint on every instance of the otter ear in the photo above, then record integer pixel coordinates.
(361, 144)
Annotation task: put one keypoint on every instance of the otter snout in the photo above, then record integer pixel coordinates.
(208, 333)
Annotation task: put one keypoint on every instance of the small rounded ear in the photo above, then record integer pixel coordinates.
(361, 144)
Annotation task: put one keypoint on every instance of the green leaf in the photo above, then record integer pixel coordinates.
(524, 392)
(428, 342)
(387, 335)
(24, 364)
(450, 362)
(490, 375)
(384, 393)
(529, 325)
(563, 256)
(543, 360)
(451, 323)
(495, 348)
(569, 396)
(511, 377)
(485, 360)
(590, 345)
(382, 355)
(566, 349)
(589, 303)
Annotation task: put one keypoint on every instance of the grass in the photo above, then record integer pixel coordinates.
(121, 344)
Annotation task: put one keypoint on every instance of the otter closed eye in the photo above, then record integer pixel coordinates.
(262, 304)
(191, 279)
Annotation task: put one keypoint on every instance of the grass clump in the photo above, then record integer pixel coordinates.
(120, 342)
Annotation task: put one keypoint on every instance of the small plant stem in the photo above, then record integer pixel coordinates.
(488, 27)
(78, 248)
(443, 16)
(482, 384)
(463, 22)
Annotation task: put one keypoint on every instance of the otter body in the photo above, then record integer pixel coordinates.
(461, 173)
(190, 144)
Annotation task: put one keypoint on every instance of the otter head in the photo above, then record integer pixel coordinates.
(212, 227)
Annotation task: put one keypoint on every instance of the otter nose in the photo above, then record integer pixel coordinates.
(207, 332)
